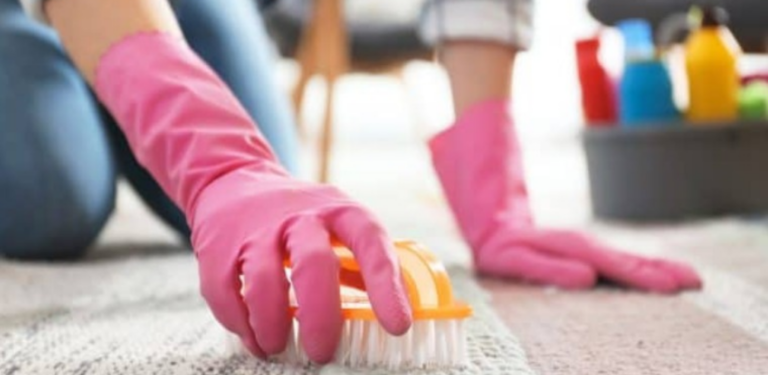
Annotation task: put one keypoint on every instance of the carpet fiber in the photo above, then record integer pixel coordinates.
(144, 316)
(132, 307)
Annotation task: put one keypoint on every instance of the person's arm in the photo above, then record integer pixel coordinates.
(245, 211)
(479, 161)
(88, 28)
(477, 42)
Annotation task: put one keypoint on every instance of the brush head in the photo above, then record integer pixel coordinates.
(435, 340)
(429, 344)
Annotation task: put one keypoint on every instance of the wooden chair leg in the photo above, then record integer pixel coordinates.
(307, 68)
(325, 52)
(297, 97)
(326, 136)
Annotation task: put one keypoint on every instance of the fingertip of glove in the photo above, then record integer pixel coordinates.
(398, 317)
(690, 282)
(321, 350)
(274, 345)
(323, 358)
(250, 344)
(688, 277)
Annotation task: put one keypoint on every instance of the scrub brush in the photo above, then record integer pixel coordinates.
(436, 339)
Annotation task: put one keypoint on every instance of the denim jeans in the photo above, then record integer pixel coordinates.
(61, 152)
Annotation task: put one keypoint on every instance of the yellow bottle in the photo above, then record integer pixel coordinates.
(711, 64)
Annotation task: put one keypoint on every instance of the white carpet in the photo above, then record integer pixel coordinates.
(141, 314)
(133, 307)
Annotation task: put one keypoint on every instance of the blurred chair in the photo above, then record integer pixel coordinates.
(748, 18)
(331, 38)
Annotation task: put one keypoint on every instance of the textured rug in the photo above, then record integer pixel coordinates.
(721, 330)
(132, 307)
(129, 315)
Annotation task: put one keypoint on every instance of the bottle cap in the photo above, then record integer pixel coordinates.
(638, 39)
(714, 16)
(591, 45)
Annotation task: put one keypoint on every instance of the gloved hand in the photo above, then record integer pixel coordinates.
(245, 211)
(570, 259)
(479, 163)
(246, 221)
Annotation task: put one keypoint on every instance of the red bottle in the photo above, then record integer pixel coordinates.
(598, 94)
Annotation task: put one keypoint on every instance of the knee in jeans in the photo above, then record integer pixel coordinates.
(37, 225)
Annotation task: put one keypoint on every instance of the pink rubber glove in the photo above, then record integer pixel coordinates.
(478, 161)
(245, 211)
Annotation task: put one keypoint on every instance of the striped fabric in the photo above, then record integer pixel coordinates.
(504, 21)
(133, 306)
(722, 329)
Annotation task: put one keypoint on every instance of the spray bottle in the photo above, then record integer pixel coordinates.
(598, 96)
(711, 64)
(646, 97)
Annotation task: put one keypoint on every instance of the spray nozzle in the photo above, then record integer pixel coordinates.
(638, 39)
(713, 17)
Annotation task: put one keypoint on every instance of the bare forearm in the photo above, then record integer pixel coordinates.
(89, 27)
(477, 43)
(478, 71)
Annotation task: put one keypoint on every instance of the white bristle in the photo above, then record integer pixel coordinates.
(429, 344)
(371, 345)
(406, 348)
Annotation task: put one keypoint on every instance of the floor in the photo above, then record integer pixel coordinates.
(132, 307)
(160, 326)
(721, 330)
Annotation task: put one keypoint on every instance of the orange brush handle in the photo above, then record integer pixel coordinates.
(426, 280)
